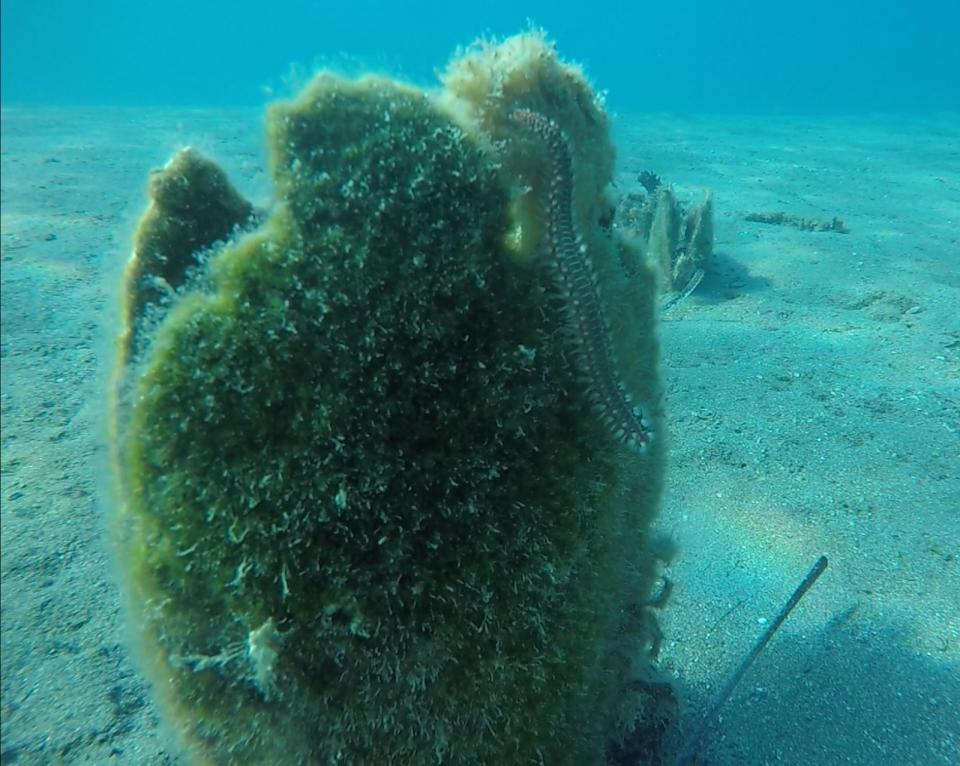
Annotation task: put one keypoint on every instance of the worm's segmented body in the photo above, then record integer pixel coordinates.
(574, 278)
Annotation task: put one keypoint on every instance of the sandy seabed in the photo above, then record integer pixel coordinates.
(813, 396)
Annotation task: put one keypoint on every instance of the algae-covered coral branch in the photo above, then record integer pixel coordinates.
(678, 241)
(192, 207)
(367, 513)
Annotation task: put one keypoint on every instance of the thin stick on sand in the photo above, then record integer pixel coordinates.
(693, 744)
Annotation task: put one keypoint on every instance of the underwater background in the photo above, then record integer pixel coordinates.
(812, 379)
(842, 57)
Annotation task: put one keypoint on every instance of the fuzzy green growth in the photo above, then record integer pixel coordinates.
(369, 516)
(192, 206)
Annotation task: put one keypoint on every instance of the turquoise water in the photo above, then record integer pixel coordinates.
(847, 56)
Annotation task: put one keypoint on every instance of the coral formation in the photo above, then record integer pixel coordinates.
(192, 207)
(367, 513)
(678, 242)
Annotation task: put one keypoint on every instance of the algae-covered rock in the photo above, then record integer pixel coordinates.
(192, 207)
(368, 513)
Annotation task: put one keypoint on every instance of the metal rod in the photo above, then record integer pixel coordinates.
(693, 744)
